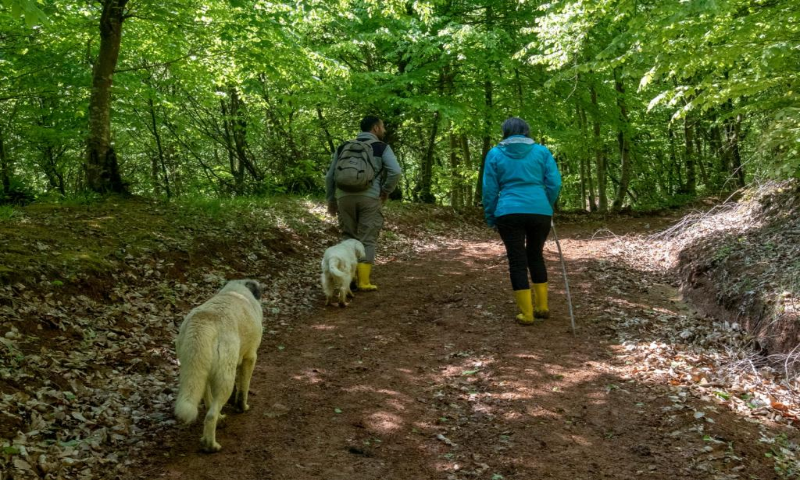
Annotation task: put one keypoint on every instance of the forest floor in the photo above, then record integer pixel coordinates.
(427, 378)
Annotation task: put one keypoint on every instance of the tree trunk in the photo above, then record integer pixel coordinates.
(176, 182)
(155, 176)
(664, 187)
(586, 159)
(467, 195)
(455, 173)
(520, 94)
(5, 165)
(55, 179)
(630, 192)
(733, 129)
(717, 149)
(239, 131)
(323, 125)
(487, 140)
(701, 159)
(691, 171)
(581, 162)
(624, 143)
(426, 195)
(584, 196)
(235, 131)
(236, 167)
(102, 168)
(677, 179)
(600, 160)
(154, 126)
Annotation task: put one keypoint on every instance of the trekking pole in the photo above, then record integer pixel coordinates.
(564, 271)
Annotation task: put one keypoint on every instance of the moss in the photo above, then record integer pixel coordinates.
(7, 274)
(89, 262)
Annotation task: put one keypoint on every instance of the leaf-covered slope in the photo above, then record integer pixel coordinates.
(91, 297)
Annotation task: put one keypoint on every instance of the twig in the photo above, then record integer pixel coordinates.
(786, 363)
(605, 230)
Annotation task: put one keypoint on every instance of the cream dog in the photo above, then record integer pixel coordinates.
(216, 346)
(339, 269)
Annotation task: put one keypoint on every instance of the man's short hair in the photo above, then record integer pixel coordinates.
(369, 122)
(515, 126)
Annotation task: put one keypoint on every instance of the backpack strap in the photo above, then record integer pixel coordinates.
(372, 142)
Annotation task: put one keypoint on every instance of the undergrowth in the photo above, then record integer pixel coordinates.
(8, 212)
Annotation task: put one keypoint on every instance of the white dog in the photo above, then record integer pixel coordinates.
(339, 269)
(216, 346)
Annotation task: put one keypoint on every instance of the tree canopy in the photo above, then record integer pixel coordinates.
(643, 103)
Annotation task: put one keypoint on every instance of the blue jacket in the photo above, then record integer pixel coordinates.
(520, 176)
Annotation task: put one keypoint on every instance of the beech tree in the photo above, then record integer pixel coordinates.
(643, 103)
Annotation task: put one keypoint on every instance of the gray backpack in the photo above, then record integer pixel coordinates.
(355, 167)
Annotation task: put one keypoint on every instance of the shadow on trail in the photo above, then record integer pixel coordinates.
(430, 378)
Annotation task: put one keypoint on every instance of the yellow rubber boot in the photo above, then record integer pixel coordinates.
(540, 309)
(363, 270)
(523, 298)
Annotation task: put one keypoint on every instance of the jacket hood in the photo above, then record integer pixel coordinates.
(367, 136)
(516, 146)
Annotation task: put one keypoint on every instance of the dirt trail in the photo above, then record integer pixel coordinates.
(430, 378)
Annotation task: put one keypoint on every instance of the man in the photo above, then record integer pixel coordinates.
(359, 209)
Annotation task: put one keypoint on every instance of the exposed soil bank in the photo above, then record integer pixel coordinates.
(740, 263)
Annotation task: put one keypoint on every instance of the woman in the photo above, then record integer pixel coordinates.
(520, 186)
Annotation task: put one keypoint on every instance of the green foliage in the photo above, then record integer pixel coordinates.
(785, 455)
(780, 145)
(7, 212)
(28, 9)
(81, 198)
(215, 207)
(247, 98)
(17, 194)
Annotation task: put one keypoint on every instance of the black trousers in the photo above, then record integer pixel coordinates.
(524, 235)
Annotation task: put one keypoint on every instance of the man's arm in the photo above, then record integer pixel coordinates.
(393, 172)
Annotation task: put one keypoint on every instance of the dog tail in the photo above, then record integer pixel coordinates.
(195, 351)
(333, 267)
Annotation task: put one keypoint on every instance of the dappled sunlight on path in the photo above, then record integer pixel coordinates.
(430, 378)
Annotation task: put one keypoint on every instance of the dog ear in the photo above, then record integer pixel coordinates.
(254, 287)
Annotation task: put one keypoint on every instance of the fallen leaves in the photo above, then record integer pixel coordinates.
(87, 380)
(706, 358)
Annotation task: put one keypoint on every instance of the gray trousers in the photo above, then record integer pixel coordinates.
(360, 217)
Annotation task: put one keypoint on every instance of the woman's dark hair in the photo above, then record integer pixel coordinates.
(515, 126)
(368, 122)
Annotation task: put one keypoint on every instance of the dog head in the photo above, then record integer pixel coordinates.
(357, 247)
(255, 288)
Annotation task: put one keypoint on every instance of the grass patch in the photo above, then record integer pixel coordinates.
(224, 207)
(85, 241)
(81, 199)
(7, 212)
